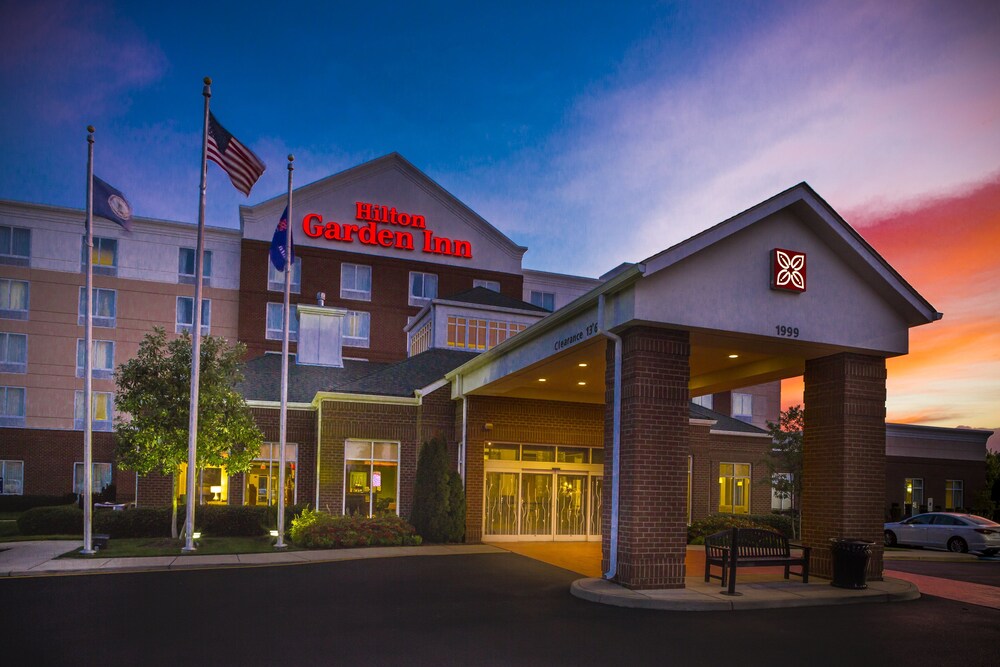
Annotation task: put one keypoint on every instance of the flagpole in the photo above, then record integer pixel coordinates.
(286, 320)
(196, 336)
(88, 338)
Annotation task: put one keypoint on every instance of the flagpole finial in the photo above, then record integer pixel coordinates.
(291, 159)
(90, 134)
(208, 81)
(90, 128)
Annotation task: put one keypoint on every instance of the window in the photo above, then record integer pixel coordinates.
(12, 400)
(734, 488)
(953, 494)
(185, 314)
(186, 267)
(275, 325)
(781, 496)
(15, 245)
(103, 360)
(11, 478)
(423, 287)
(104, 256)
(914, 492)
(276, 278)
(371, 477)
(743, 407)
(103, 406)
(262, 478)
(356, 282)
(101, 477)
(493, 285)
(356, 328)
(704, 401)
(104, 307)
(421, 340)
(546, 300)
(13, 353)
(14, 299)
(476, 334)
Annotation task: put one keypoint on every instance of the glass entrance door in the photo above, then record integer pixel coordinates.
(571, 507)
(530, 505)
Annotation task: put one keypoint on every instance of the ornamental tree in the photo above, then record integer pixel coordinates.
(153, 397)
(784, 460)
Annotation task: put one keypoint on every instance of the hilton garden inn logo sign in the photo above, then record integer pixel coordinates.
(788, 270)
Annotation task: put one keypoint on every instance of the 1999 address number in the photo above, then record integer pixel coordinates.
(788, 332)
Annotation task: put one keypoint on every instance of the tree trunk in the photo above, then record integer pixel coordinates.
(173, 514)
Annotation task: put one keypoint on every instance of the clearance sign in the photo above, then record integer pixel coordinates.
(387, 228)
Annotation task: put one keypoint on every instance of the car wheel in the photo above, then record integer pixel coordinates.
(890, 538)
(957, 545)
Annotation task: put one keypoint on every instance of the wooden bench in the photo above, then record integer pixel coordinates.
(751, 547)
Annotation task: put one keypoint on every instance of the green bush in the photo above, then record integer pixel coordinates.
(229, 520)
(139, 522)
(54, 520)
(319, 530)
(291, 511)
(719, 522)
(438, 495)
(23, 503)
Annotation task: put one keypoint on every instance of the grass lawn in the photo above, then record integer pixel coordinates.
(164, 546)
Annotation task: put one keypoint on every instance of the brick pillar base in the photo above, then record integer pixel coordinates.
(843, 493)
(652, 521)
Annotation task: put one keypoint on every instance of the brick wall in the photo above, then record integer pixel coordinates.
(844, 455)
(934, 472)
(708, 452)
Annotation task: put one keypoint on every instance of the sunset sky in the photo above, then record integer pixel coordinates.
(556, 122)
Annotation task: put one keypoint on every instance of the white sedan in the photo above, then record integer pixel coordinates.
(946, 530)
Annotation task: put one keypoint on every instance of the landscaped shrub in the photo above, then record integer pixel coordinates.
(438, 500)
(229, 520)
(22, 503)
(319, 530)
(291, 511)
(55, 520)
(139, 522)
(719, 522)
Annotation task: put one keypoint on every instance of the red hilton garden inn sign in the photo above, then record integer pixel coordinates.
(788, 270)
(398, 231)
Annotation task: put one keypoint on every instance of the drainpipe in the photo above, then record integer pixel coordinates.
(615, 439)
(319, 439)
(465, 430)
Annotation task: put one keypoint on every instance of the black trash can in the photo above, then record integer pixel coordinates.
(850, 562)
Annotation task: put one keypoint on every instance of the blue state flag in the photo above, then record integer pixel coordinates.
(281, 244)
(110, 203)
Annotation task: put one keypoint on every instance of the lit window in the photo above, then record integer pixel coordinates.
(371, 477)
(104, 307)
(101, 477)
(12, 401)
(546, 300)
(102, 362)
(11, 478)
(103, 406)
(185, 314)
(356, 282)
(276, 278)
(734, 488)
(261, 481)
(186, 266)
(104, 255)
(704, 401)
(781, 494)
(275, 325)
(423, 287)
(13, 353)
(356, 328)
(476, 334)
(15, 245)
(914, 492)
(421, 340)
(14, 299)
(493, 285)
(954, 498)
(743, 407)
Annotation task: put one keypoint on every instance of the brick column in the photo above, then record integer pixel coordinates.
(843, 492)
(652, 526)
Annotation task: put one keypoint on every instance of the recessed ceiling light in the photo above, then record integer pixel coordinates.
(582, 365)
(734, 356)
(581, 383)
(541, 379)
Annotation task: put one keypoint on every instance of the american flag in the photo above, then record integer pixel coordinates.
(225, 150)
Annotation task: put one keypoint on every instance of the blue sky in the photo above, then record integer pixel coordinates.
(591, 132)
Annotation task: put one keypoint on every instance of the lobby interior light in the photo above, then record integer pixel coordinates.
(581, 383)
(734, 356)
(216, 490)
(541, 379)
(582, 364)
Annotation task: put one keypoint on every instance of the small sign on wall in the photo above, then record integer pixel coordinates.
(788, 270)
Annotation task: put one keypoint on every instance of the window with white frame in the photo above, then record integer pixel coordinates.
(704, 401)
(734, 488)
(371, 477)
(914, 492)
(104, 256)
(14, 299)
(781, 495)
(102, 405)
(102, 359)
(493, 285)
(15, 245)
(11, 477)
(186, 266)
(356, 328)
(185, 314)
(420, 341)
(476, 334)
(99, 481)
(104, 307)
(13, 353)
(546, 300)
(275, 326)
(423, 287)
(12, 406)
(742, 407)
(355, 282)
(954, 494)
(276, 278)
